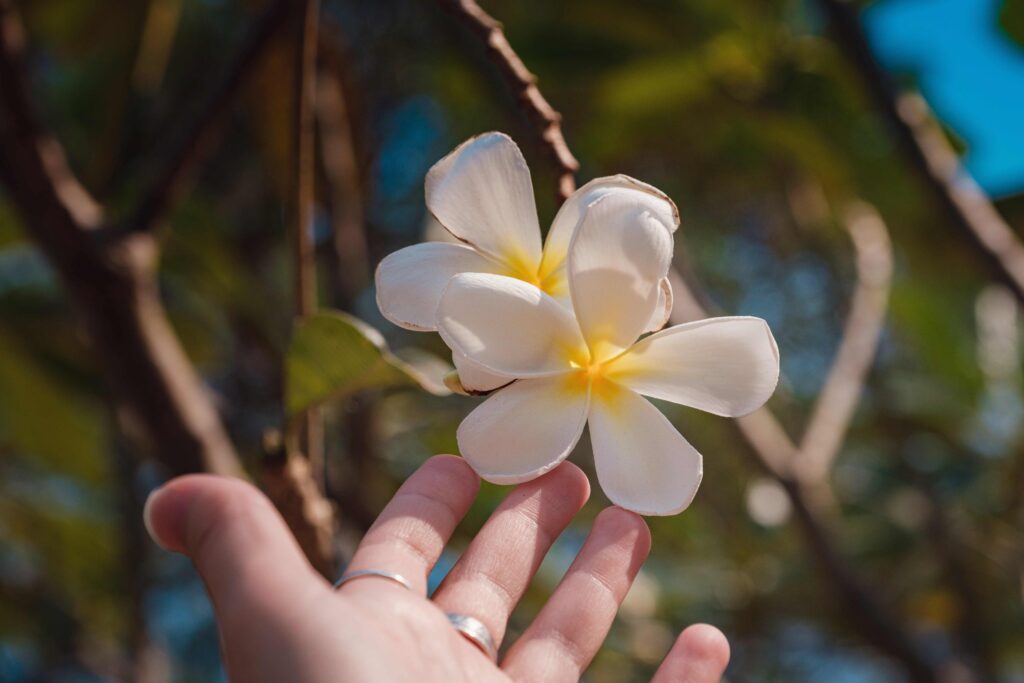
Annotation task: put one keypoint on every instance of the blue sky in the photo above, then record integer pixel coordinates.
(969, 70)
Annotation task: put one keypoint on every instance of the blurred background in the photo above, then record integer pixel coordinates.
(852, 173)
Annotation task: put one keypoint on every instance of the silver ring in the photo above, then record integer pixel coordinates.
(475, 632)
(380, 573)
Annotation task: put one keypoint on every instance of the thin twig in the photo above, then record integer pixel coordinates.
(929, 151)
(303, 160)
(297, 485)
(546, 120)
(841, 392)
(341, 168)
(303, 197)
(175, 162)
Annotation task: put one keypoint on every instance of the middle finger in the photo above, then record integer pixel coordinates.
(491, 576)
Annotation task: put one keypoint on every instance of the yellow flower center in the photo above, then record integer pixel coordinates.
(554, 284)
(548, 276)
(593, 375)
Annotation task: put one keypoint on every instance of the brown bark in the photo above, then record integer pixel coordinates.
(546, 121)
(111, 283)
(288, 480)
(110, 276)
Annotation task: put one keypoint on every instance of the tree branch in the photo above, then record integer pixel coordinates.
(290, 482)
(546, 120)
(303, 159)
(297, 485)
(844, 385)
(303, 135)
(187, 150)
(773, 452)
(112, 286)
(929, 151)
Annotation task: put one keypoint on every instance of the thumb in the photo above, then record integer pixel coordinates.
(241, 547)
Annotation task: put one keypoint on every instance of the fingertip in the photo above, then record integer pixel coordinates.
(705, 644)
(622, 521)
(565, 487)
(579, 479)
(165, 510)
(179, 513)
(147, 517)
(452, 467)
(569, 481)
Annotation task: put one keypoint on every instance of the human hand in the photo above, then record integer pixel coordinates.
(281, 621)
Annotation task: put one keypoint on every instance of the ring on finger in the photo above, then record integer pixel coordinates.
(369, 573)
(475, 632)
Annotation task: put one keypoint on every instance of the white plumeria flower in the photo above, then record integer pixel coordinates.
(483, 195)
(580, 365)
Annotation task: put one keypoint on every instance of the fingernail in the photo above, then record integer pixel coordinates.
(147, 516)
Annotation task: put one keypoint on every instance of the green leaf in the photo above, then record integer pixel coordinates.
(334, 355)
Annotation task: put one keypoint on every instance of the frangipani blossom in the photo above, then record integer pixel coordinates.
(583, 364)
(483, 195)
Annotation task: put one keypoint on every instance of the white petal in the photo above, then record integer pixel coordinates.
(525, 429)
(725, 366)
(482, 193)
(617, 259)
(410, 281)
(556, 246)
(643, 464)
(474, 377)
(663, 311)
(508, 327)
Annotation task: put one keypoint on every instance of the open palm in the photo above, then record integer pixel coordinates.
(281, 621)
